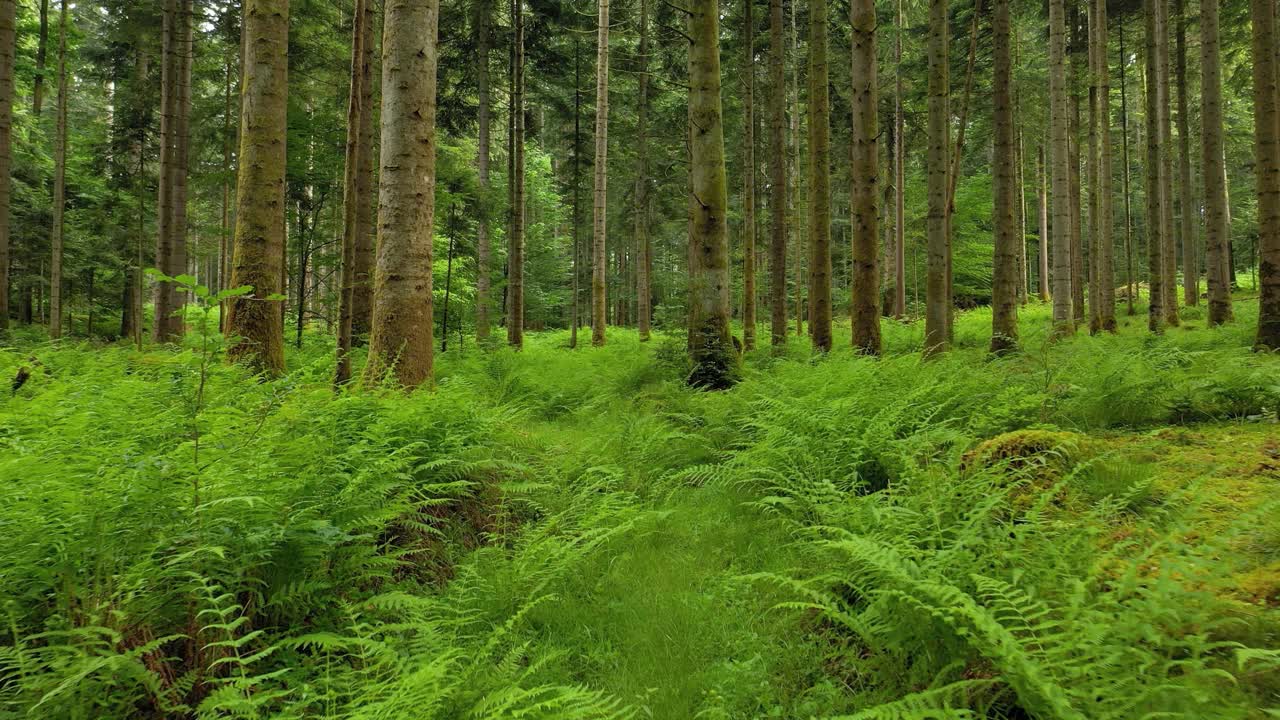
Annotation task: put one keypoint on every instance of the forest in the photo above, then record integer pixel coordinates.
(625, 359)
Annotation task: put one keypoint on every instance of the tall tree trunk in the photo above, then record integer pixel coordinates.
(599, 207)
(1217, 233)
(515, 246)
(798, 228)
(1042, 254)
(749, 178)
(1168, 232)
(483, 252)
(260, 200)
(819, 180)
(1004, 286)
(7, 52)
(1186, 212)
(937, 284)
(403, 327)
(171, 242)
(363, 260)
(777, 177)
(711, 350)
(42, 44)
(1102, 299)
(577, 194)
(864, 171)
(644, 260)
(350, 201)
(1156, 238)
(899, 174)
(1060, 175)
(1266, 117)
(59, 181)
(1131, 288)
(1078, 281)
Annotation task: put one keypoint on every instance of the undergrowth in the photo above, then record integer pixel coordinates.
(573, 533)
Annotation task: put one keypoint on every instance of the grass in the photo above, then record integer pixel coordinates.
(560, 534)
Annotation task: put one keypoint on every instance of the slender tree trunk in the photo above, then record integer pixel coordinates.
(171, 242)
(798, 228)
(59, 181)
(1103, 294)
(448, 290)
(1217, 233)
(1131, 289)
(577, 195)
(1266, 116)
(515, 246)
(402, 339)
(1156, 238)
(1042, 253)
(711, 349)
(260, 199)
(819, 180)
(363, 260)
(1186, 211)
(1060, 176)
(899, 173)
(644, 261)
(778, 179)
(483, 252)
(749, 178)
(7, 48)
(600, 193)
(224, 228)
(1078, 280)
(1168, 232)
(864, 171)
(1004, 290)
(937, 290)
(350, 199)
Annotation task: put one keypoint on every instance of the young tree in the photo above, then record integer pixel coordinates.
(403, 327)
(1060, 175)
(1156, 238)
(483, 251)
(1004, 286)
(938, 284)
(600, 195)
(777, 177)
(749, 178)
(1102, 290)
(260, 199)
(864, 167)
(7, 48)
(516, 181)
(1042, 196)
(819, 180)
(710, 346)
(1266, 118)
(644, 262)
(59, 181)
(1217, 232)
(1130, 287)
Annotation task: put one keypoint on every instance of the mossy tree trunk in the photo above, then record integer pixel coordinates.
(1004, 287)
(714, 360)
(864, 166)
(1217, 232)
(1266, 117)
(255, 319)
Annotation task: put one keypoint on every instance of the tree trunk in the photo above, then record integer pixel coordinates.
(1266, 117)
(599, 207)
(749, 178)
(483, 251)
(350, 201)
(1156, 238)
(777, 177)
(937, 284)
(644, 261)
(259, 234)
(7, 52)
(715, 362)
(1004, 286)
(577, 185)
(1186, 212)
(1042, 253)
(175, 103)
(403, 327)
(1131, 288)
(1170, 246)
(1073, 149)
(1060, 175)
(42, 44)
(1217, 233)
(1102, 292)
(363, 260)
(515, 246)
(819, 180)
(59, 182)
(798, 228)
(864, 171)
(899, 174)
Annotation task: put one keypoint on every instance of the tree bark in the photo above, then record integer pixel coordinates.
(171, 241)
(749, 178)
(1170, 246)
(1060, 176)
(937, 283)
(483, 250)
(899, 174)
(600, 193)
(1078, 281)
(1130, 286)
(1217, 232)
(1004, 287)
(1042, 254)
(577, 185)
(350, 199)
(819, 180)
(864, 167)
(515, 241)
(1155, 199)
(714, 360)
(1186, 212)
(7, 52)
(1266, 117)
(59, 181)
(403, 327)
(1102, 292)
(644, 261)
(778, 179)
(260, 202)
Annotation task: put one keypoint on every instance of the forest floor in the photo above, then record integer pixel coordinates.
(1088, 529)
